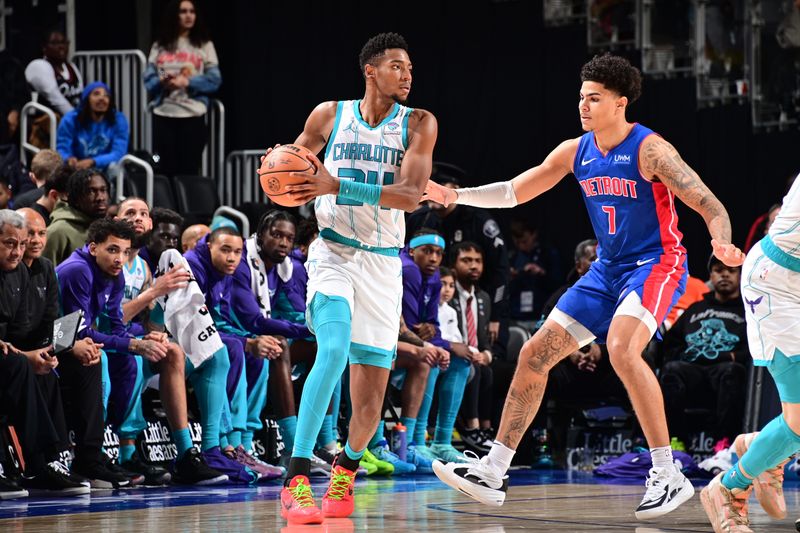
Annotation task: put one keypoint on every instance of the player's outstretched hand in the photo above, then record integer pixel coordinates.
(729, 254)
(439, 194)
(317, 183)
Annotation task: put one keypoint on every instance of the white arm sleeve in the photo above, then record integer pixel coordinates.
(500, 194)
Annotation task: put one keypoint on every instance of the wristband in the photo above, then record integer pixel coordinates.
(366, 193)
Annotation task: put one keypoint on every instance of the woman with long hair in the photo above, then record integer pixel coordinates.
(182, 72)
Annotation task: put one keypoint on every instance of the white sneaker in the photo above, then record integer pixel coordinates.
(474, 478)
(667, 488)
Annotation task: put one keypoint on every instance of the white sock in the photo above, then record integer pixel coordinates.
(500, 457)
(662, 457)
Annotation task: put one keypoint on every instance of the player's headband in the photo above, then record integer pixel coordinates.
(428, 238)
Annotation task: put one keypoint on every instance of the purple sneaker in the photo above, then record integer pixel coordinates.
(237, 473)
(265, 470)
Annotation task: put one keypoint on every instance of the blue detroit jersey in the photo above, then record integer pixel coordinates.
(633, 218)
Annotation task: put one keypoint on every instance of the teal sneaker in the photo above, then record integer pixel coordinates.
(382, 453)
(448, 454)
(417, 457)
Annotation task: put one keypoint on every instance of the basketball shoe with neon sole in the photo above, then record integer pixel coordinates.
(383, 453)
(383, 468)
(297, 502)
(726, 509)
(769, 485)
(338, 501)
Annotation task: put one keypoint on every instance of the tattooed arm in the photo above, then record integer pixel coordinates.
(660, 161)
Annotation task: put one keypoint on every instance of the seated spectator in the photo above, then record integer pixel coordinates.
(44, 166)
(707, 356)
(192, 234)
(267, 279)
(448, 383)
(182, 71)
(535, 273)
(94, 134)
(695, 289)
(57, 82)
(213, 262)
(473, 307)
(87, 200)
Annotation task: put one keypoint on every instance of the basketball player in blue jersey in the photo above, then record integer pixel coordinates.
(629, 178)
(377, 161)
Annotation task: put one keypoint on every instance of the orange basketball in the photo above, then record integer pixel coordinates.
(276, 169)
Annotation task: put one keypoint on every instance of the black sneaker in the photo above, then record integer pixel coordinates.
(476, 440)
(135, 477)
(153, 475)
(191, 469)
(9, 489)
(55, 479)
(100, 475)
(325, 455)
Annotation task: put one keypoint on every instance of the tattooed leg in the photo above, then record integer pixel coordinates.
(548, 346)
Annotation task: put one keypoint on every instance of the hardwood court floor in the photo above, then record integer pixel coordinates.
(555, 501)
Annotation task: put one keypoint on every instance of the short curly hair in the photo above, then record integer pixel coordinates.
(103, 228)
(616, 74)
(377, 46)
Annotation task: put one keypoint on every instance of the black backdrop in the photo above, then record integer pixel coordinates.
(503, 87)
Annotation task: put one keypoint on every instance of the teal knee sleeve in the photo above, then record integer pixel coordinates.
(331, 320)
(209, 381)
(417, 436)
(451, 391)
(288, 428)
(775, 443)
(105, 382)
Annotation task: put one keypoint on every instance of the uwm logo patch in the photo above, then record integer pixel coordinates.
(622, 159)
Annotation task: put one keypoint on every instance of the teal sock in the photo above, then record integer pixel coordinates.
(126, 451)
(418, 435)
(208, 381)
(223, 442)
(410, 424)
(734, 479)
(247, 441)
(235, 438)
(288, 428)
(378, 437)
(773, 444)
(354, 455)
(183, 440)
(331, 320)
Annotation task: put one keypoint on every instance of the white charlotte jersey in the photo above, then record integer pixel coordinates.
(359, 152)
(135, 278)
(785, 231)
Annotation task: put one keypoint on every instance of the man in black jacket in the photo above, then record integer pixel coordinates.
(22, 402)
(460, 223)
(707, 356)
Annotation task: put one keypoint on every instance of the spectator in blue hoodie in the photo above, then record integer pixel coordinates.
(94, 134)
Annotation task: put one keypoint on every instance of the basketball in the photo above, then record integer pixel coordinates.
(275, 172)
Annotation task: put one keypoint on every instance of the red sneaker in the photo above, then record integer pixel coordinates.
(297, 503)
(338, 500)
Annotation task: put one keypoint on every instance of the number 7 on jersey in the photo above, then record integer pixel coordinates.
(611, 211)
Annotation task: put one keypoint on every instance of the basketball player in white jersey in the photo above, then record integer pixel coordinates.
(771, 294)
(377, 162)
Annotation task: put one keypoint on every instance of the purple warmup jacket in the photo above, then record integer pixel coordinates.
(421, 298)
(84, 286)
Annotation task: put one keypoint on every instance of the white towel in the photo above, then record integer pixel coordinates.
(185, 314)
(259, 282)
